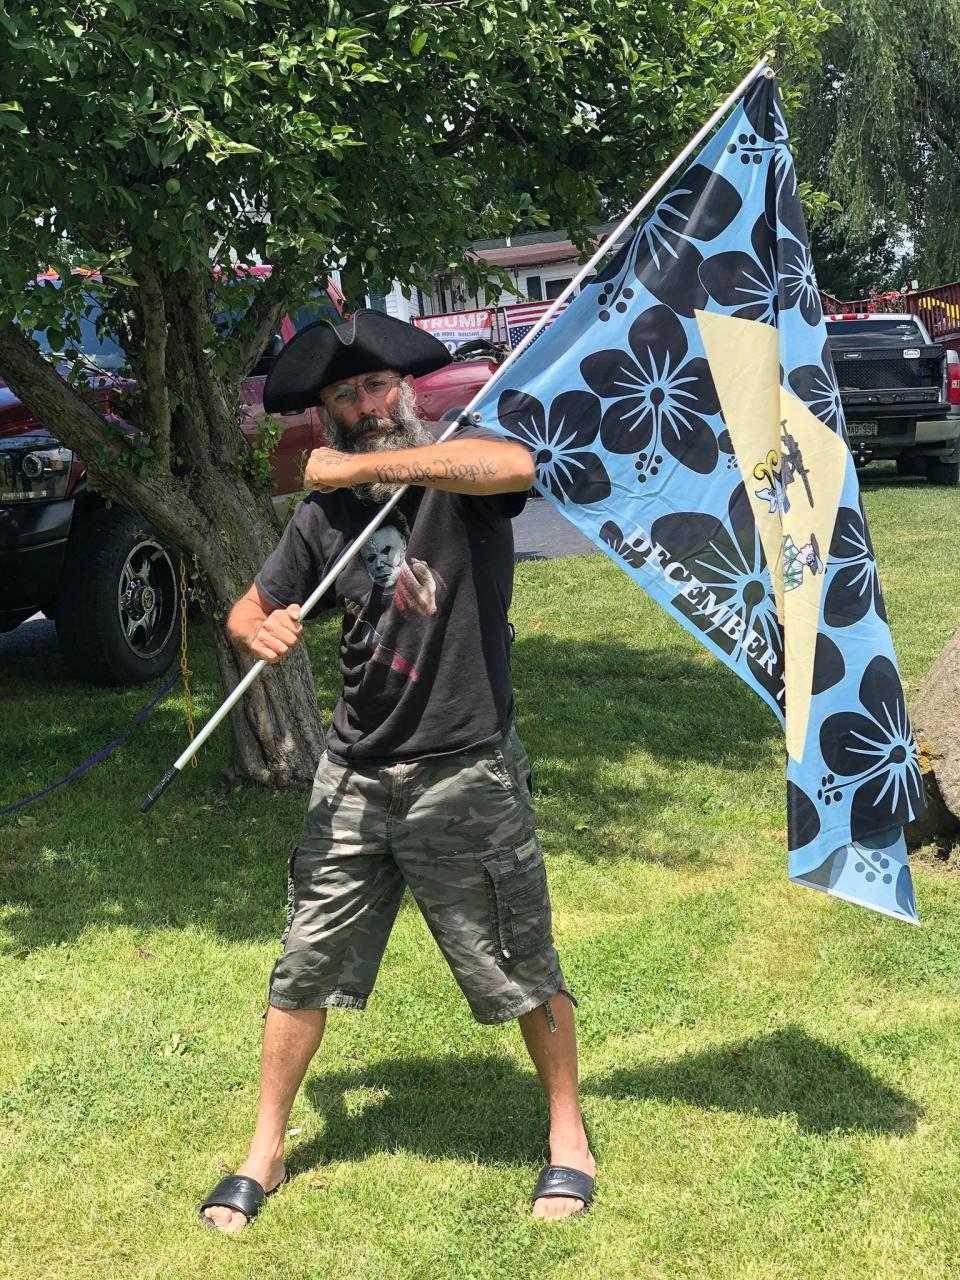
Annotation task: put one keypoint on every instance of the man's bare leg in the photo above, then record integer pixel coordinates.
(290, 1039)
(554, 1054)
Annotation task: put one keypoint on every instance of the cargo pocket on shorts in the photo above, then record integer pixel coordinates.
(290, 895)
(521, 903)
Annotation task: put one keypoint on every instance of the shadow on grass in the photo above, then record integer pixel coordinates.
(486, 1108)
(596, 701)
(473, 1107)
(785, 1073)
(886, 476)
(85, 856)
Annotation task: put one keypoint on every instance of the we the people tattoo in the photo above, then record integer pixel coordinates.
(439, 469)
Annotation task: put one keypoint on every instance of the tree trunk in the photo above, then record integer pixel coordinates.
(204, 504)
(936, 723)
(273, 742)
(276, 739)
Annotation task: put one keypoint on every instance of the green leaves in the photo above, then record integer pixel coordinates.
(383, 140)
(234, 8)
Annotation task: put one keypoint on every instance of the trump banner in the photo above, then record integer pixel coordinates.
(457, 327)
(684, 414)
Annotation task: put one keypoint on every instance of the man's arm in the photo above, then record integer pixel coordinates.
(475, 466)
(256, 624)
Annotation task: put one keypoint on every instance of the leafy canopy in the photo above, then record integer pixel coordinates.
(878, 131)
(381, 137)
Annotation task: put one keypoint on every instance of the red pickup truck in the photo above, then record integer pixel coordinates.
(108, 579)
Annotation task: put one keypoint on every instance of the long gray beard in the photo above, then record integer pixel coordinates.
(409, 433)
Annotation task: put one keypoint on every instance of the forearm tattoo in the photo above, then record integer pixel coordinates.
(439, 469)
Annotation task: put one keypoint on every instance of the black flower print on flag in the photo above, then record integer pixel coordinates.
(778, 275)
(734, 603)
(816, 385)
(765, 115)
(854, 585)
(747, 282)
(797, 281)
(871, 752)
(658, 399)
(560, 442)
(612, 535)
(663, 255)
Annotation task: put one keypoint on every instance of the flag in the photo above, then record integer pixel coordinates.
(684, 414)
(517, 319)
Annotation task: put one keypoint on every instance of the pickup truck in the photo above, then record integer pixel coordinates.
(900, 392)
(110, 581)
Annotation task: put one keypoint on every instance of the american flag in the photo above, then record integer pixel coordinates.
(516, 321)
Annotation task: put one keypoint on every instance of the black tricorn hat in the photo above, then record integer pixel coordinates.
(325, 352)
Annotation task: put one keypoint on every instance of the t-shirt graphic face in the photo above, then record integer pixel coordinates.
(424, 648)
(383, 554)
(416, 592)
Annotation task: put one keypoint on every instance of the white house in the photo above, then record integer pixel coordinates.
(540, 263)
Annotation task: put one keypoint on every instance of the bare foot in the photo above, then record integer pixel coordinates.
(573, 1157)
(268, 1173)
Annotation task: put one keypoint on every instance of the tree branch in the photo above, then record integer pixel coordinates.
(69, 416)
(156, 400)
(53, 402)
(217, 415)
(260, 322)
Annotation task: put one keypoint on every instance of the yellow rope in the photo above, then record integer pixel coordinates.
(184, 669)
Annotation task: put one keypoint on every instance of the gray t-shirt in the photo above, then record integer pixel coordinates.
(425, 644)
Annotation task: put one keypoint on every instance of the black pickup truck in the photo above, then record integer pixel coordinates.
(900, 393)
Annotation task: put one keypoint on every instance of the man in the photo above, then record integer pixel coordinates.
(424, 781)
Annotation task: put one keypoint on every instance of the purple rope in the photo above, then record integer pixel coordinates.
(101, 755)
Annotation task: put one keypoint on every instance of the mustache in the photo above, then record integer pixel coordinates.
(400, 429)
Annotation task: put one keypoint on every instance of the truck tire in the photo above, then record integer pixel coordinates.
(940, 471)
(118, 609)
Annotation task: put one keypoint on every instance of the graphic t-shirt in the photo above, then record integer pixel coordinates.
(425, 645)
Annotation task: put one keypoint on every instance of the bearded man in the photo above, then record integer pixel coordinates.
(424, 782)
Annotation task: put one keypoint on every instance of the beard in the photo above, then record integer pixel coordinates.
(407, 432)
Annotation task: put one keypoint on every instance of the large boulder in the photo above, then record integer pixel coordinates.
(936, 723)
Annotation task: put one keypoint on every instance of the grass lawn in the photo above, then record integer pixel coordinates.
(771, 1078)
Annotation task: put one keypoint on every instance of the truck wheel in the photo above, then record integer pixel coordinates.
(118, 609)
(941, 472)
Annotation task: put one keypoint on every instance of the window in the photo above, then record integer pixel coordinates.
(556, 287)
(377, 301)
(534, 288)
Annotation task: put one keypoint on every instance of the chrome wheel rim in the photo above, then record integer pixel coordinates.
(146, 598)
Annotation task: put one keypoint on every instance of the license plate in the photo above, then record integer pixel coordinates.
(862, 428)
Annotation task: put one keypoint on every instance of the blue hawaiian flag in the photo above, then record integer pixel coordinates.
(684, 414)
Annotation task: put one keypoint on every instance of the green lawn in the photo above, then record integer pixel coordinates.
(771, 1078)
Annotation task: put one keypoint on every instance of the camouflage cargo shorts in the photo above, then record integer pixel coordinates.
(459, 830)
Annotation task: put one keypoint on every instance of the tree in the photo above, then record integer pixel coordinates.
(849, 263)
(146, 141)
(877, 130)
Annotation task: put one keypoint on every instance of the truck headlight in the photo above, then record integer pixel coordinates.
(32, 469)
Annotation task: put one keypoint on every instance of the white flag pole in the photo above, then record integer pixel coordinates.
(625, 222)
(237, 693)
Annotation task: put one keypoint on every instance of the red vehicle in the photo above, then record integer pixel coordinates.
(108, 579)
